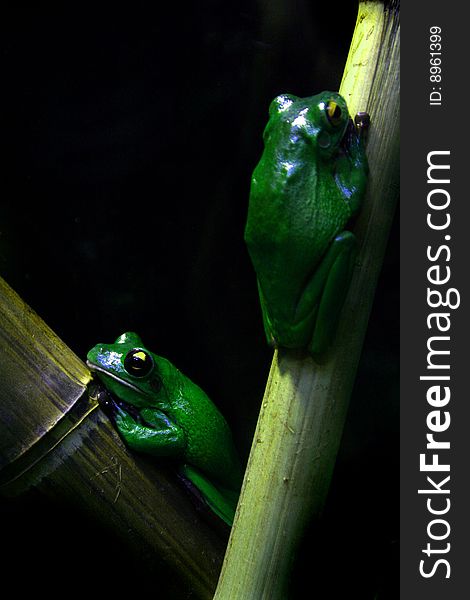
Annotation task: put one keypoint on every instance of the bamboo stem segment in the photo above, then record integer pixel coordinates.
(41, 380)
(305, 403)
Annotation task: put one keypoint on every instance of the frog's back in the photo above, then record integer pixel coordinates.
(293, 216)
(295, 207)
(210, 445)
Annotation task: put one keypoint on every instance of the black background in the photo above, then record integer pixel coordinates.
(129, 138)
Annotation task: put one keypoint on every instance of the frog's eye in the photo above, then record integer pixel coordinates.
(333, 112)
(138, 363)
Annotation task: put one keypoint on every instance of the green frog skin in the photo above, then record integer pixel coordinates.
(160, 412)
(308, 184)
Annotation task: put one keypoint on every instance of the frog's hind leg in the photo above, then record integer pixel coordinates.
(222, 501)
(268, 328)
(326, 292)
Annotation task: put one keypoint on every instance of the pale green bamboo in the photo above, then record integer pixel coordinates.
(305, 403)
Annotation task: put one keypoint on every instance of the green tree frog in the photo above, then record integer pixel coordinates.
(159, 411)
(308, 184)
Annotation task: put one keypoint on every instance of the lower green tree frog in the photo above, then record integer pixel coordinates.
(159, 411)
(308, 184)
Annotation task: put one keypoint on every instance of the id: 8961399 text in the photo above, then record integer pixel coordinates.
(435, 69)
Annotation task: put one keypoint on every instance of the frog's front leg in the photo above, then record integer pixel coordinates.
(153, 433)
(352, 169)
(322, 300)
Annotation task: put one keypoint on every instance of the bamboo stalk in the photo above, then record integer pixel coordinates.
(41, 380)
(305, 403)
(55, 441)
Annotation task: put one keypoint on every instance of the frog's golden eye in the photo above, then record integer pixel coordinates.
(333, 112)
(138, 363)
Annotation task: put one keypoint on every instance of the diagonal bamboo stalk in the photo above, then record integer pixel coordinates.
(305, 403)
(56, 443)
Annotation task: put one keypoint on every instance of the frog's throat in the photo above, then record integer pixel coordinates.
(97, 369)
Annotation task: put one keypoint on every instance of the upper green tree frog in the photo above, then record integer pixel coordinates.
(309, 182)
(159, 411)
